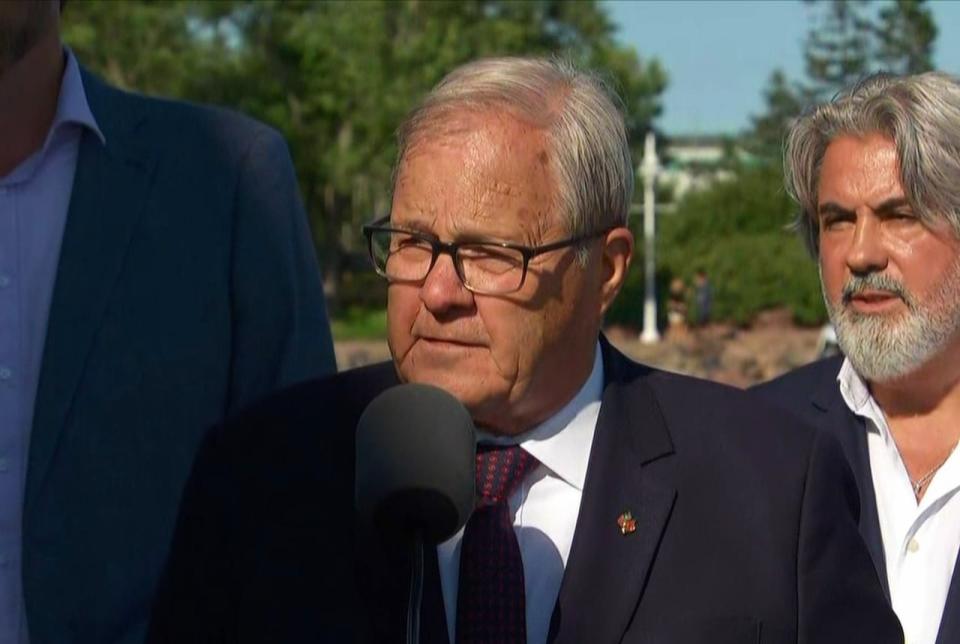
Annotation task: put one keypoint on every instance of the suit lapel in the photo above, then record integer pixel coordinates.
(607, 570)
(109, 189)
(850, 430)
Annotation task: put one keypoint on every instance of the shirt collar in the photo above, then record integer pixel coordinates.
(72, 105)
(562, 442)
(72, 112)
(856, 394)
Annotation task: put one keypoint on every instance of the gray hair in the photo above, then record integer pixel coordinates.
(920, 113)
(580, 114)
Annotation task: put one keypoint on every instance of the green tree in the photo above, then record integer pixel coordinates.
(144, 46)
(905, 34)
(850, 38)
(738, 232)
(838, 47)
(783, 101)
(847, 39)
(337, 77)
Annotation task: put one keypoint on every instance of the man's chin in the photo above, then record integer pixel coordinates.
(882, 350)
(463, 383)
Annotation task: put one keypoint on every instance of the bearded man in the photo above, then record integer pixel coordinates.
(876, 173)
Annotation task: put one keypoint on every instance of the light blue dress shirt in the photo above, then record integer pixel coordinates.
(34, 199)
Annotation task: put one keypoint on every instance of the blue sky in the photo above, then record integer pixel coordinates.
(719, 54)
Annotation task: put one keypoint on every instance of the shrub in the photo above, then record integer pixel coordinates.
(737, 232)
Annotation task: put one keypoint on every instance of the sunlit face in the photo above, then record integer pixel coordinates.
(512, 359)
(891, 282)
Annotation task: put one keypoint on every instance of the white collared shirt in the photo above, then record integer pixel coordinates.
(920, 541)
(544, 507)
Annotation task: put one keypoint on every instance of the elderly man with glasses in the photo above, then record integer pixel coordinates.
(645, 506)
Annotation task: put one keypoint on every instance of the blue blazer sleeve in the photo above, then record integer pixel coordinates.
(280, 332)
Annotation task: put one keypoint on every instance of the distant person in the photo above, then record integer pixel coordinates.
(156, 273)
(876, 172)
(618, 503)
(702, 298)
(677, 308)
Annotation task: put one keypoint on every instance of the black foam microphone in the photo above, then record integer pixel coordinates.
(416, 453)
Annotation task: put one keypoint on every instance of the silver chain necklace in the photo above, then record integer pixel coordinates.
(917, 484)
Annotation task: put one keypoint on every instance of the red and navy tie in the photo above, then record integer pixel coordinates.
(491, 604)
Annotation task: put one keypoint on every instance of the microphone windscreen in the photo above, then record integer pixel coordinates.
(415, 458)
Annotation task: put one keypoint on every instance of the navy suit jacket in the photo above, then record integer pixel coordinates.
(741, 533)
(187, 287)
(813, 393)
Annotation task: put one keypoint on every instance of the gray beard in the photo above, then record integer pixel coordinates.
(884, 347)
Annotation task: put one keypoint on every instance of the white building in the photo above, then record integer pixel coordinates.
(694, 162)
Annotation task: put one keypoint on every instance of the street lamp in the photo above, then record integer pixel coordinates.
(648, 170)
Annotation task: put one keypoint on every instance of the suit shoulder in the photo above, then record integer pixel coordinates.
(683, 389)
(682, 395)
(346, 389)
(711, 410)
(800, 380)
(180, 124)
(196, 123)
(325, 408)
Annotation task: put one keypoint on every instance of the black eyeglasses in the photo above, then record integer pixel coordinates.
(484, 267)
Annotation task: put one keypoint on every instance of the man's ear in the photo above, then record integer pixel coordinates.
(617, 252)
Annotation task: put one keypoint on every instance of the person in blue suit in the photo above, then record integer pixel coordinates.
(156, 274)
(876, 173)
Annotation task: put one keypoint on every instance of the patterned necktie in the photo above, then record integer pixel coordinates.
(491, 604)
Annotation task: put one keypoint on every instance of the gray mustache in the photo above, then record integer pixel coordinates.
(874, 282)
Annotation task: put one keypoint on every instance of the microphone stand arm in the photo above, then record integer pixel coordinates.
(416, 591)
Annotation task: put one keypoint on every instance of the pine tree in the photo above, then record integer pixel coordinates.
(784, 101)
(905, 34)
(838, 46)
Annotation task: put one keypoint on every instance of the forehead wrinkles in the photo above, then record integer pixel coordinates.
(502, 162)
(859, 168)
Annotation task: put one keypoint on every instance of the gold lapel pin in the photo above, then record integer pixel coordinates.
(627, 523)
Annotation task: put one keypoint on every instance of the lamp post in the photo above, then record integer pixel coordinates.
(648, 170)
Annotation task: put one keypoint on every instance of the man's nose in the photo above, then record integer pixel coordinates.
(867, 252)
(442, 289)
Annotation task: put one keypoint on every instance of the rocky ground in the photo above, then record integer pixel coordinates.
(736, 356)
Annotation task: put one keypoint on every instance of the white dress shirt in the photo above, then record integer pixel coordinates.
(544, 507)
(920, 541)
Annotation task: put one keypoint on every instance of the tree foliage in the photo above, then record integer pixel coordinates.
(337, 77)
(738, 232)
(905, 36)
(847, 40)
(784, 101)
(837, 49)
(851, 38)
